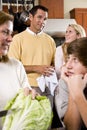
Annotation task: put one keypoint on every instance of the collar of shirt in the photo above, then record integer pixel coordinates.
(28, 30)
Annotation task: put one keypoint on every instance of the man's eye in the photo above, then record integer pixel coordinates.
(75, 60)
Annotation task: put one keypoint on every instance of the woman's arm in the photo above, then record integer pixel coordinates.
(58, 59)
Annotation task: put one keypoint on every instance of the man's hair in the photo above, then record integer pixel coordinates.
(79, 49)
(4, 17)
(33, 11)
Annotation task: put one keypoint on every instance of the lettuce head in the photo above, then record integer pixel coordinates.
(28, 114)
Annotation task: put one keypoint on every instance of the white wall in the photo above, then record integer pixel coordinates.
(70, 4)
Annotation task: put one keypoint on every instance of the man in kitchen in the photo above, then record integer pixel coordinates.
(35, 49)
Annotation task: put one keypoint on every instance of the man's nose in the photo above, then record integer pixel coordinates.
(69, 65)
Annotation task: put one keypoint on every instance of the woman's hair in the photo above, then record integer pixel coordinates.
(79, 49)
(79, 29)
(4, 17)
(64, 48)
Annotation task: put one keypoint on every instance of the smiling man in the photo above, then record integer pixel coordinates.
(35, 49)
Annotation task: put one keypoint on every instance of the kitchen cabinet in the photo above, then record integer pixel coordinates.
(55, 7)
(17, 5)
(80, 15)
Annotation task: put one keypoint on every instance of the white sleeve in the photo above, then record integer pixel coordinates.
(58, 59)
(22, 76)
(61, 98)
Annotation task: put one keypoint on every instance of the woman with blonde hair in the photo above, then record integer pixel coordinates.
(73, 32)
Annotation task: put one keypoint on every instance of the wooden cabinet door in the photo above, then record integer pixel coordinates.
(55, 7)
(80, 15)
(79, 18)
(85, 22)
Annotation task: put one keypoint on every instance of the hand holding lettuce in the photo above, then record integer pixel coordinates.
(29, 114)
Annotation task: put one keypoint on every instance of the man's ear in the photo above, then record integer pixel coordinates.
(30, 17)
(85, 79)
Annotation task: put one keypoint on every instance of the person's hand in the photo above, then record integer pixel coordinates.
(48, 71)
(45, 70)
(64, 72)
(34, 93)
(28, 91)
(76, 84)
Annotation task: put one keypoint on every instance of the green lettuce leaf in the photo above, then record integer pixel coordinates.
(28, 114)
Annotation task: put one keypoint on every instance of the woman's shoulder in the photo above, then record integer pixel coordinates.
(59, 49)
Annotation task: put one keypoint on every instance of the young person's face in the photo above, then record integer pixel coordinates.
(5, 37)
(71, 35)
(38, 21)
(74, 66)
